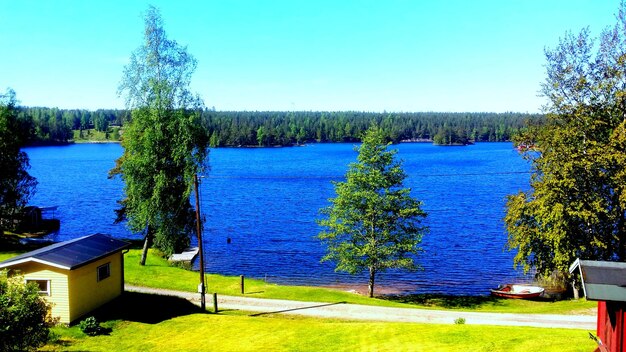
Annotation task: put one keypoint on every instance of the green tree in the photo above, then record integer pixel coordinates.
(100, 122)
(214, 140)
(261, 136)
(373, 224)
(577, 201)
(16, 185)
(24, 315)
(164, 143)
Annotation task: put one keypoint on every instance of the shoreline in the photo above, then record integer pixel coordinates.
(362, 289)
(95, 142)
(63, 144)
(72, 142)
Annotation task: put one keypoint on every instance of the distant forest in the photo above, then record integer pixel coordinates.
(274, 128)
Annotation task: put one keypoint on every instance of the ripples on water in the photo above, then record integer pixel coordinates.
(267, 200)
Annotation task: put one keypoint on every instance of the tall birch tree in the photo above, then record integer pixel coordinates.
(576, 206)
(164, 143)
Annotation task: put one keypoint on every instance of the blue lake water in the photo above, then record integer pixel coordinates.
(266, 200)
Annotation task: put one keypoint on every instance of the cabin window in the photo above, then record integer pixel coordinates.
(104, 271)
(43, 285)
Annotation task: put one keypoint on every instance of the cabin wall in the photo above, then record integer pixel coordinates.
(86, 293)
(58, 286)
(611, 329)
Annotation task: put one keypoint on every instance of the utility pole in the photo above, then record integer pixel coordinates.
(201, 252)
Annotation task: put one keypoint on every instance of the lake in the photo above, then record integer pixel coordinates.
(267, 200)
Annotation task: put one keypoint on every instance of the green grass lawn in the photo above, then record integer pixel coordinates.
(91, 135)
(141, 322)
(7, 255)
(158, 273)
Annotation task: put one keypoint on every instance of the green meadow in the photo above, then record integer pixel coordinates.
(144, 322)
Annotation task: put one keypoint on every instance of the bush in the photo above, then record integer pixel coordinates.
(25, 319)
(90, 326)
(459, 321)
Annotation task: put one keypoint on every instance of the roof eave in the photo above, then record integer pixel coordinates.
(10, 263)
(33, 259)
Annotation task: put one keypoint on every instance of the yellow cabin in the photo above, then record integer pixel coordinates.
(76, 276)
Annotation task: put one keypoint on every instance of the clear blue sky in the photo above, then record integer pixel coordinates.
(393, 55)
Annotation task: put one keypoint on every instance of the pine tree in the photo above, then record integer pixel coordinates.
(373, 224)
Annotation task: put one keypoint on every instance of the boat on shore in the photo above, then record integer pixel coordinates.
(526, 147)
(517, 291)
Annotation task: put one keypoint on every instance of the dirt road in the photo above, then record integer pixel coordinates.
(342, 310)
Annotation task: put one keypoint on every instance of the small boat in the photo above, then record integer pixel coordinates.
(526, 147)
(517, 291)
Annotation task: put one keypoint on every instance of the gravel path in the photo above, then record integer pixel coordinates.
(342, 310)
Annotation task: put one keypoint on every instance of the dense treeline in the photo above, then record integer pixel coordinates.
(250, 128)
(284, 128)
(53, 125)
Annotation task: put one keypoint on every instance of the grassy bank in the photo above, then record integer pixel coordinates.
(158, 273)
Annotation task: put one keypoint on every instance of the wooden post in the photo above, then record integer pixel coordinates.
(199, 232)
(242, 284)
(215, 302)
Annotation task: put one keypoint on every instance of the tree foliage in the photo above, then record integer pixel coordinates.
(576, 205)
(16, 185)
(164, 144)
(373, 224)
(451, 136)
(24, 315)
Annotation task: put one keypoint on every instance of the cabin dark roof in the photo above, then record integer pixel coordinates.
(602, 281)
(71, 254)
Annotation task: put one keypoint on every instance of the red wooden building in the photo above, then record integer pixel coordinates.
(605, 282)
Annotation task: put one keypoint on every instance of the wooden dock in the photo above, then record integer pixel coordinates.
(188, 255)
